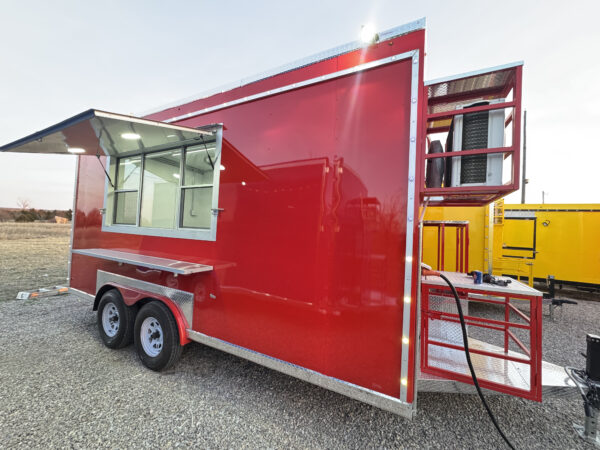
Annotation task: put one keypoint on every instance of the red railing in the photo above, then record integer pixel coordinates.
(462, 243)
(497, 367)
(483, 194)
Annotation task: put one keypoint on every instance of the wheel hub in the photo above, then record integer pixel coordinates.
(151, 336)
(110, 319)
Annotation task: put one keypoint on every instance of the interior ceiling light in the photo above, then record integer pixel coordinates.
(76, 150)
(130, 136)
(368, 35)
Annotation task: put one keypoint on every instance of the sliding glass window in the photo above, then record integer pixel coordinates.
(160, 186)
(127, 190)
(198, 184)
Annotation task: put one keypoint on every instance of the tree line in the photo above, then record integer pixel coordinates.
(32, 214)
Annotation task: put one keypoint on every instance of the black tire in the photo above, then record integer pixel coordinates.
(125, 320)
(161, 336)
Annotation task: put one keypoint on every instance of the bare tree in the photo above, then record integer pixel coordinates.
(23, 203)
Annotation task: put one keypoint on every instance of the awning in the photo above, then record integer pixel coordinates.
(96, 132)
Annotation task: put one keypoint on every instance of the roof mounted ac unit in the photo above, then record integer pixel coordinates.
(476, 130)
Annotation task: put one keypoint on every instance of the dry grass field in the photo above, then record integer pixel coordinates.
(32, 255)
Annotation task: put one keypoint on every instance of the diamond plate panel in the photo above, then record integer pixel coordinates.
(487, 81)
(488, 368)
(441, 330)
(183, 299)
(555, 383)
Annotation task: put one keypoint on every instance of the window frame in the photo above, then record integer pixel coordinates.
(183, 187)
(109, 209)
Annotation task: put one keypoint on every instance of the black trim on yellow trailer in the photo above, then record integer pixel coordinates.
(553, 210)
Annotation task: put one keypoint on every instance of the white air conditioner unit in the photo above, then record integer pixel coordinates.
(484, 129)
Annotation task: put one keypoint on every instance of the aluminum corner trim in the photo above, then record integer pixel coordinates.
(73, 216)
(410, 229)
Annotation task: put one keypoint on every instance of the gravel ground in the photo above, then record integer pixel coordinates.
(32, 255)
(60, 387)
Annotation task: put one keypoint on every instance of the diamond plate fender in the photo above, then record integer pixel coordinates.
(180, 303)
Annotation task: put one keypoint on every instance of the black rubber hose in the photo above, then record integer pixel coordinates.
(466, 342)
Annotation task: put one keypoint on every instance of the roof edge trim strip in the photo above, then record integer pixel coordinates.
(474, 73)
(391, 33)
(301, 84)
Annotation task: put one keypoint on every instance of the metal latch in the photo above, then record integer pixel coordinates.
(217, 211)
(435, 315)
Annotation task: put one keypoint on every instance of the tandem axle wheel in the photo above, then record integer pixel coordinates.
(152, 329)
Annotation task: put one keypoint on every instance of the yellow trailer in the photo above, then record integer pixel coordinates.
(478, 220)
(530, 240)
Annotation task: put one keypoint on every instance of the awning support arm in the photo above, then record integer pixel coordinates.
(212, 165)
(98, 154)
(106, 173)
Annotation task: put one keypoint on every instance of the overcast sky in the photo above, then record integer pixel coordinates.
(62, 57)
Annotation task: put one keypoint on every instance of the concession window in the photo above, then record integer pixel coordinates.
(161, 179)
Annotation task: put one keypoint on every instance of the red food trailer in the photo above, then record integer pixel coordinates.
(279, 219)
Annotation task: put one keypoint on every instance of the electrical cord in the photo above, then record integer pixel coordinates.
(467, 354)
(578, 378)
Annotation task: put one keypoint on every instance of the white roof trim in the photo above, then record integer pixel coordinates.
(321, 56)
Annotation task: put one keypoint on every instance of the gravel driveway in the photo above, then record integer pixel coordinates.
(60, 387)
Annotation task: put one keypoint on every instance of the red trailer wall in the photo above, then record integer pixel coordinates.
(309, 256)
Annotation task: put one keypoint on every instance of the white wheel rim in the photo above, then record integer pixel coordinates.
(151, 335)
(110, 319)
